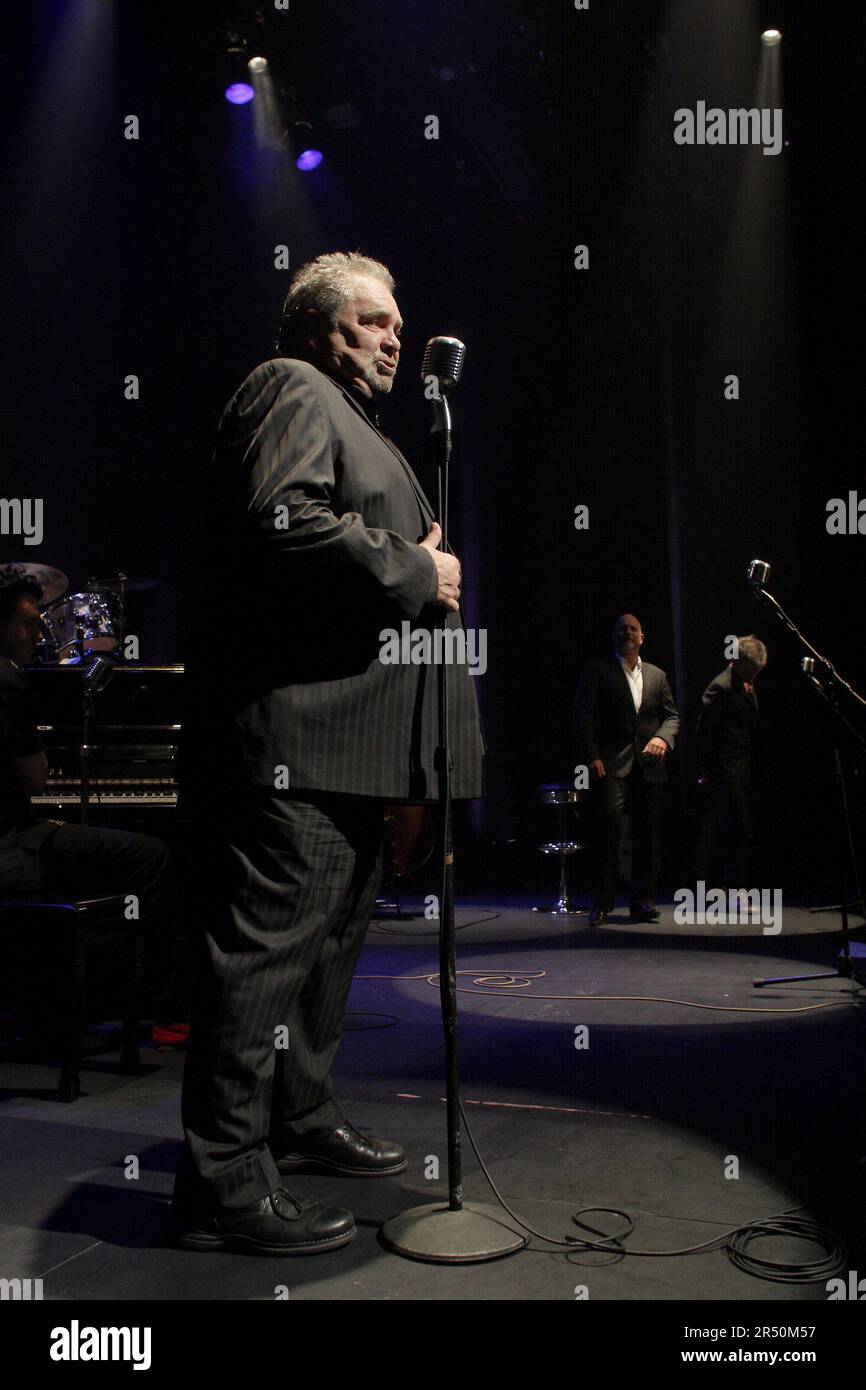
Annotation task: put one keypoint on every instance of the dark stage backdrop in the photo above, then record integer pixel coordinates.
(600, 387)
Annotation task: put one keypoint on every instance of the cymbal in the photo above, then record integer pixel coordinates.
(135, 585)
(52, 582)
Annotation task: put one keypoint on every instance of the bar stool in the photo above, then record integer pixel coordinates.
(68, 926)
(563, 797)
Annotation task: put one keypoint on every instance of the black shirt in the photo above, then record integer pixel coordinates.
(727, 725)
(19, 738)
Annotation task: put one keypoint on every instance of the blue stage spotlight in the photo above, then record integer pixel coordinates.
(310, 159)
(239, 93)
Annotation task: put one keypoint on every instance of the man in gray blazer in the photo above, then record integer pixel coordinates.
(626, 724)
(290, 751)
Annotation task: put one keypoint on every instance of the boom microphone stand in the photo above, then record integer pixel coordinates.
(847, 962)
(457, 1232)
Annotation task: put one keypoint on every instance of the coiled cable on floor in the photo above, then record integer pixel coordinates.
(735, 1242)
(786, 1271)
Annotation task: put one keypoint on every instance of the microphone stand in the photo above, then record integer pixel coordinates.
(94, 679)
(846, 962)
(457, 1232)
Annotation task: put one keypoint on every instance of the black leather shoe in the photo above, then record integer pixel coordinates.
(278, 1224)
(643, 912)
(597, 917)
(344, 1150)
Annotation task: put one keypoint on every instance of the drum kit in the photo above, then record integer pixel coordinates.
(76, 626)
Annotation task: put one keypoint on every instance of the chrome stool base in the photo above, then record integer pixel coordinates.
(562, 796)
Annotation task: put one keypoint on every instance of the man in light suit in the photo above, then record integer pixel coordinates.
(626, 724)
(291, 752)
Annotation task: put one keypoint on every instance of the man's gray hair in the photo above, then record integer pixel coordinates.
(753, 649)
(326, 284)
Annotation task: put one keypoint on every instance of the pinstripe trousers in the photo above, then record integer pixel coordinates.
(289, 882)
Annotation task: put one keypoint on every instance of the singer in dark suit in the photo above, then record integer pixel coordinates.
(320, 541)
(726, 737)
(626, 725)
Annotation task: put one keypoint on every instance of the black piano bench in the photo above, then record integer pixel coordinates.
(72, 925)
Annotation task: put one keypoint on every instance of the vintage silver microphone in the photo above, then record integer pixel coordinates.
(441, 367)
(759, 573)
(807, 666)
(442, 363)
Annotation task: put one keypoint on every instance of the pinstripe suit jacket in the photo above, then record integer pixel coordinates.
(313, 523)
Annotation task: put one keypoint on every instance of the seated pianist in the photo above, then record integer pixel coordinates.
(50, 856)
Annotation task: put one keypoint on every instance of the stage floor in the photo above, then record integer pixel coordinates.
(590, 1080)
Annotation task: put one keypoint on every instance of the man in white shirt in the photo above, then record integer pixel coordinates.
(626, 725)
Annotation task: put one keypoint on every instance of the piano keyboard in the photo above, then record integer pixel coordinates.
(99, 798)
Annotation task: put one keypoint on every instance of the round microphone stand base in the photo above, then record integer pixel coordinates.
(436, 1233)
(561, 908)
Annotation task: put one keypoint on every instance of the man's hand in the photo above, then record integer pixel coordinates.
(656, 750)
(597, 768)
(447, 570)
